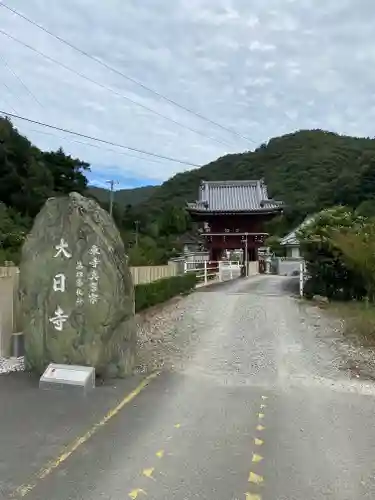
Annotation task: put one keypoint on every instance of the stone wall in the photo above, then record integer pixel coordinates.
(286, 266)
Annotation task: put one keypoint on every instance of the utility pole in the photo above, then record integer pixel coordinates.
(136, 232)
(111, 195)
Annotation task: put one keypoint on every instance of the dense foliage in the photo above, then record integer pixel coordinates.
(328, 270)
(28, 177)
(357, 246)
(150, 294)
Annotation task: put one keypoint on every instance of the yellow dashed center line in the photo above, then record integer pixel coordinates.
(135, 493)
(148, 472)
(256, 458)
(255, 478)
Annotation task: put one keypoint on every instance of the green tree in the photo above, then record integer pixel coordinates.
(357, 247)
(28, 177)
(273, 242)
(67, 172)
(329, 272)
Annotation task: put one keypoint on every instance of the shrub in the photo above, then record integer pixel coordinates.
(331, 275)
(157, 292)
(357, 245)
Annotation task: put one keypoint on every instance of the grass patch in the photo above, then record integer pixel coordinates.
(358, 320)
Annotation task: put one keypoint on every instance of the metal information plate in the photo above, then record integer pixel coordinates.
(68, 376)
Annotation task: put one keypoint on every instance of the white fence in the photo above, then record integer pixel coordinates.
(303, 276)
(148, 274)
(210, 271)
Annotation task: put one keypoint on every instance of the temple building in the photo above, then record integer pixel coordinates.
(232, 215)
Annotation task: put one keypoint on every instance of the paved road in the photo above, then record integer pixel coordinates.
(259, 411)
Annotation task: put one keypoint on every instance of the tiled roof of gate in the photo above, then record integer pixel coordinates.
(234, 196)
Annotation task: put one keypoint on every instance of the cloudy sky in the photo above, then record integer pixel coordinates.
(257, 68)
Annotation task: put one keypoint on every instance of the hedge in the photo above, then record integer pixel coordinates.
(157, 292)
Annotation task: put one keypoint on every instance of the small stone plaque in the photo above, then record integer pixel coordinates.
(68, 377)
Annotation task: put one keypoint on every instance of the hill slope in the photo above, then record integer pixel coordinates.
(123, 196)
(308, 170)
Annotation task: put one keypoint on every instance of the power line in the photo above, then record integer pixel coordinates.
(91, 138)
(105, 87)
(20, 80)
(6, 101)
(123, 153)
(123, 75)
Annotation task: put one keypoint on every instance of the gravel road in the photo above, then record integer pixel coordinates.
(252, 403)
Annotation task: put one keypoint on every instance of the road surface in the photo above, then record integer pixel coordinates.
(258, 411)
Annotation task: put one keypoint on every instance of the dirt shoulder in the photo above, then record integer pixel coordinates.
(352, 335)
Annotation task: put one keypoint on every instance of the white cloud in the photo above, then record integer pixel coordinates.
(270, 101)
(257, 82)
(256, 45)
(269, 65)
(262, 68)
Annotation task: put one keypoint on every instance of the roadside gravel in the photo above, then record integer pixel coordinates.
(167, 333)
(305, 337)
(8, 365)
(300, 340)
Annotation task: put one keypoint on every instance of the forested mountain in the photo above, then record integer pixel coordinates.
(308, 170)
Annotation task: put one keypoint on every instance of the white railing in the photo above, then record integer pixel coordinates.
(303, 276)
(210, 271)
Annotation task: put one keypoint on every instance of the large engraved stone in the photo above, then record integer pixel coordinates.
(76, 290)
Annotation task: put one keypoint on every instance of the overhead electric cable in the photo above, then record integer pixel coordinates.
(20, 80)
(123, 75)
(122, 153)
(97, 139)
(6, 101)
(105, 87)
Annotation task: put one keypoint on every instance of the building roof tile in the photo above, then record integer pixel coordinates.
(234, 196)
(291, 239)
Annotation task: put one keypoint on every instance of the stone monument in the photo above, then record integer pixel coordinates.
(76, 290)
